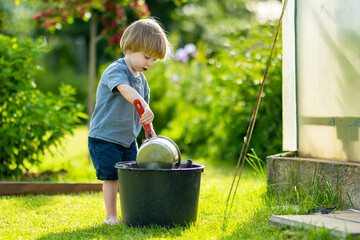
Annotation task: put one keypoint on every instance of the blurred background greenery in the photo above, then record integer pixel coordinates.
(204, 97)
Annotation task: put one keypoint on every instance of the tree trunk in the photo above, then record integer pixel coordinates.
(92, 63)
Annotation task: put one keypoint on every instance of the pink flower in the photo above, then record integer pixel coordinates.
(107, 27)
(111, 41)
(64, 17)
(138, 14)
(37, 16)
(117, 38)
(48, 12)
(48, 23)
(133, 5)
(119, 8)
(114, 39)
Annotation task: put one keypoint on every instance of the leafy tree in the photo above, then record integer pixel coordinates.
(31, 121)
(113, 15)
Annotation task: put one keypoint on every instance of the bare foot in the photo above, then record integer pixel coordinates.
(112, 221)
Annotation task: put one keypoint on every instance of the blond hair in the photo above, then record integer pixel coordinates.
(146, 35)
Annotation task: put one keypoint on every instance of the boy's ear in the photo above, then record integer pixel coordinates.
(128, 51)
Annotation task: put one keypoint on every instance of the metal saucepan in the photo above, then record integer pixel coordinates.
(156, 152)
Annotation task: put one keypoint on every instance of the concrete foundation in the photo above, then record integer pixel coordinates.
(345, 176)
(340, 223)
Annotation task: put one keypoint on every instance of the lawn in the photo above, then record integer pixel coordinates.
(80, 216)
(72, 157)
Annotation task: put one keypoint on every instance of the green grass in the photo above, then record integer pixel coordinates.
(72, 156)
(80, 216)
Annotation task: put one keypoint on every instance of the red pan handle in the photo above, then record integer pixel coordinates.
(140, 109)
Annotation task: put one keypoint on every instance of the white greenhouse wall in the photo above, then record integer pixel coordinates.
(321, 71)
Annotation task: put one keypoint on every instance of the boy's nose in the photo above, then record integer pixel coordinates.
(150, 63)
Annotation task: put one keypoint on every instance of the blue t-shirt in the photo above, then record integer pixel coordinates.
(114, 118)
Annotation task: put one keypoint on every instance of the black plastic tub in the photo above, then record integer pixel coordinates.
(165, 197)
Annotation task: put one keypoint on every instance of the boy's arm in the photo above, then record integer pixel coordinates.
(130, 94)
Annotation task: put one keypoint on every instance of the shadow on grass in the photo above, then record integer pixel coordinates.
(121, 231)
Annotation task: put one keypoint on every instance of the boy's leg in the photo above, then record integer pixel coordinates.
(104, 156)
(110, 190)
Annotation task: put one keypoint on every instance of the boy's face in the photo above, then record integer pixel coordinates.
(140, 61)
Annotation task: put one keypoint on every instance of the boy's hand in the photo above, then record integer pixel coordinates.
(153, 134)
(150, 135)
(147, 117)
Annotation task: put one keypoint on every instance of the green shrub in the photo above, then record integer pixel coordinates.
(49, 81)
(205, 103)
(31, 121)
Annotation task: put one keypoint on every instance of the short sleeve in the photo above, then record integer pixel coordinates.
(114, 77)
(146, 92)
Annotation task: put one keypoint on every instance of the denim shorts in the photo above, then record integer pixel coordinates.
(105, 155)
